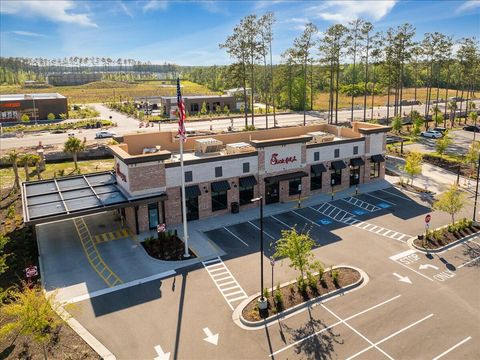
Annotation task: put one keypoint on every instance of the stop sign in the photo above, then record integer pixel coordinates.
(428, 218)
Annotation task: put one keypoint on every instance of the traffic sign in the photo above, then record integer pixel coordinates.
(31, 271)
(428, 218)
(161, 228)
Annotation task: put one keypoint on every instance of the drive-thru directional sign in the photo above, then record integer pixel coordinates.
(404, 279)
(211, 338)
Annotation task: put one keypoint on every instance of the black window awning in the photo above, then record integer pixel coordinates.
(192, 191)
(318, 169)
(378, 158)
(277, 178)
(357, 162)
(247, 181)
(338, 165)
(220, 186)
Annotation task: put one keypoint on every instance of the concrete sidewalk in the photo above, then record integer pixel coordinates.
(433, 178)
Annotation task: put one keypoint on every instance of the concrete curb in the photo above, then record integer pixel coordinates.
(240, 321)
(411, 244)
(96, 345)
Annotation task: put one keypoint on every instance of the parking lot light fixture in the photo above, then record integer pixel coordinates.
(262, 303)
(476, 190)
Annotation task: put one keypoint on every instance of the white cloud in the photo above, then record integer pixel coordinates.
(155, 5)
(262, 4)
(56, 11)
(125, 9)
(215, 7)
(347, 10)
(468, 5)
(26, 33)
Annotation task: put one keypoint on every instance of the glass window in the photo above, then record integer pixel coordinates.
(316, 156)
(152, 215)
(246, 194)
(246, 167)
(315, 181)
(194, 107)
(219, 200)
(218, 171)
(355, 150)
(295, 186)
(336, 177)
(374, 170)
(188, 176)
(337, 153)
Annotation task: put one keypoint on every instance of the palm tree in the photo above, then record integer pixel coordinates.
(36, 162)
(13, 159)
(73, 146)
(452, 106)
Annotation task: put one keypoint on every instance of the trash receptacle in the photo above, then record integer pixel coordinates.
(235, 207)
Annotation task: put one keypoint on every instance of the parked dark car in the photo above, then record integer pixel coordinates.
(472, 128)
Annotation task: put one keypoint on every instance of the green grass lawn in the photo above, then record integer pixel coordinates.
(7, 177)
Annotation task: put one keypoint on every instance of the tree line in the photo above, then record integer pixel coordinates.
(15, 70)
(353, 59)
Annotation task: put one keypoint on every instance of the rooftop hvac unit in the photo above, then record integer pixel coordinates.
(207, 145)
(238, 148)
(151, 150)
(321, 137)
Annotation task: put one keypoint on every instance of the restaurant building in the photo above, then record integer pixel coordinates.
(224, 172)
(36, 106)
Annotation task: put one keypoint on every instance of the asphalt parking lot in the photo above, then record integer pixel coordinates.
(461, 140)
(415, 306)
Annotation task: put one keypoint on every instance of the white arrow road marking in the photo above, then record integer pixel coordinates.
(161, 355)
(427, 266)
(211, 338)
(404, 279)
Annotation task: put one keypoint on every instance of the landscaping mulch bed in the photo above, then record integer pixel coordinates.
(292, 296)
(449, 165)
(446, 237)
(414, 188)
(170, 249)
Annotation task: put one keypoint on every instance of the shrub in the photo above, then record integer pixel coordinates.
(25, 118)
(11, 212)
(51, 116)
(301, 284)
(278, 298)
(312, 282)
(335, 273)
(249, 128)
(266, 294)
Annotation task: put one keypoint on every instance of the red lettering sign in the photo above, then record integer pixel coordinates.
(120, 174)
(10, 105)
(275, 160)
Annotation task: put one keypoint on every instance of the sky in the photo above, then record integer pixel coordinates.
(189, 32)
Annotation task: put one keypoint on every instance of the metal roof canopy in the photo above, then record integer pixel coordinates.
(71, 196)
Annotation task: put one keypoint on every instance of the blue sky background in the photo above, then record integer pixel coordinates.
(188, 32)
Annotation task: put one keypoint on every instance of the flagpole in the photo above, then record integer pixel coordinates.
(184, 202)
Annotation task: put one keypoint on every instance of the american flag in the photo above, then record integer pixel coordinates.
(181, 113)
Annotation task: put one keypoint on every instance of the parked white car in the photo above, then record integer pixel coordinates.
(104, 134)
(431, 134)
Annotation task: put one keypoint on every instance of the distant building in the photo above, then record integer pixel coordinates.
(193, 104)
(69, 79)
(36, 106)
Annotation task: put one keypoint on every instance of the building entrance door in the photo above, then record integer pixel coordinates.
(354, 175)
(272, 194)
(152, 216)
(192, 208)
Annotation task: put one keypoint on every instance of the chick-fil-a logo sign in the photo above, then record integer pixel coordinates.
(275, 160)
(120, 174)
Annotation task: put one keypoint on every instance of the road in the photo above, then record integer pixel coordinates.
(128, 125)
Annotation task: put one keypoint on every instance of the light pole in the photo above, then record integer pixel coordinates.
(262, 302)
(476, 190)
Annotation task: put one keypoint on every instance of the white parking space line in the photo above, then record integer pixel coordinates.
(361, 204)
(358, 333)
(399, 196)
(266, 233)
(333, 325)
(389, 337)
(236, 236)
(468, 262)
(452, 348)
(303, 217)
(378, 198)
(281, 222)
(221, 285)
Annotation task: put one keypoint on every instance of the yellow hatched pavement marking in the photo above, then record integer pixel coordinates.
(93, 256)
